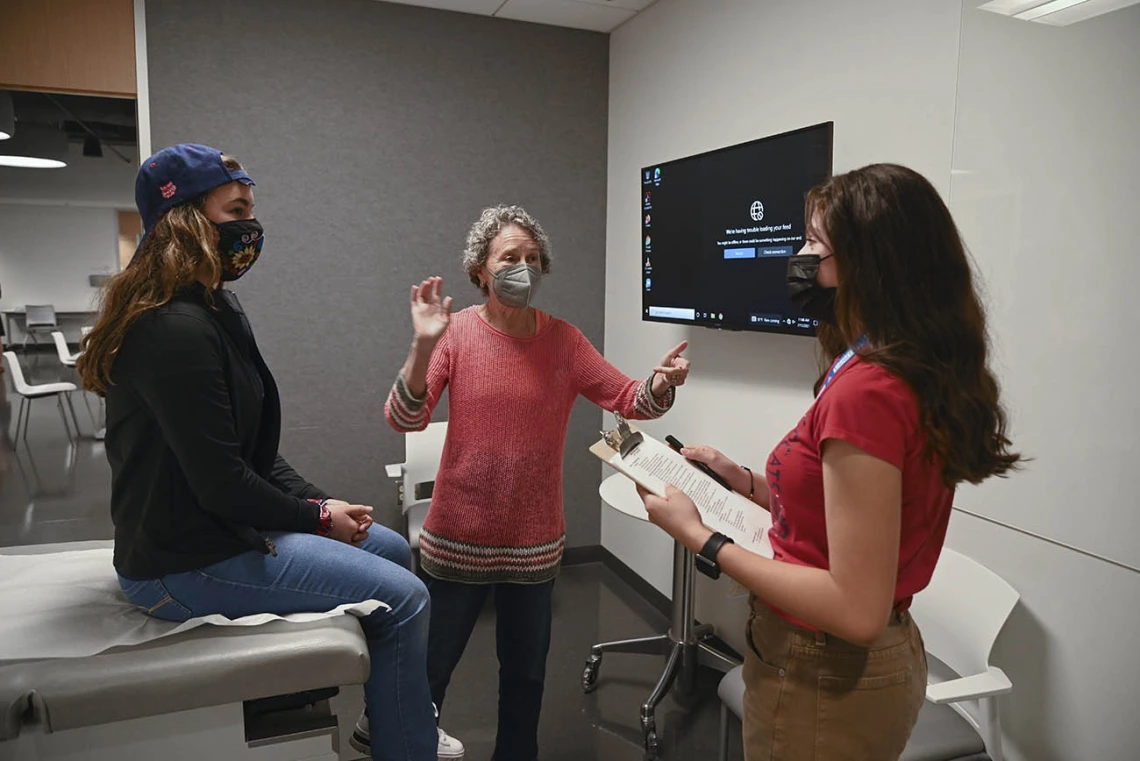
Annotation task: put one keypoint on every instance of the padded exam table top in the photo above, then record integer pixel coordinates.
(206, 666)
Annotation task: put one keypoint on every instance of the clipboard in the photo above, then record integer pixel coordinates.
(621, 442)
(653, 465)
(623, 439)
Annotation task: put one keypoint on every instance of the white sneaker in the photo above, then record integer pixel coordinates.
(448, 749)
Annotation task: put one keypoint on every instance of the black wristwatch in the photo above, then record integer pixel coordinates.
(706, 558)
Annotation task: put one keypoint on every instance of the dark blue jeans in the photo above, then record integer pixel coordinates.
(311, 573)
(522, 638)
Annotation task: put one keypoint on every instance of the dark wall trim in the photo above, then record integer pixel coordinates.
(598, 554)
(592, 553)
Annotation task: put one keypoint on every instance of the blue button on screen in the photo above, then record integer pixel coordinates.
(740, 253)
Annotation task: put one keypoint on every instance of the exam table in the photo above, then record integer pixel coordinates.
(214, 692)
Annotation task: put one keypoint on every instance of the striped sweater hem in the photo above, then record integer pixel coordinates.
(452, 560)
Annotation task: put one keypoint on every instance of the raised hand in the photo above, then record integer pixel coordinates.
(672, 371)
(431, 313)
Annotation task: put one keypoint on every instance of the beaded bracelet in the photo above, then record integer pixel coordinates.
(326, 517)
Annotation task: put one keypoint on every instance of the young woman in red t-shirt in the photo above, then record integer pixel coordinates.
(860, 491)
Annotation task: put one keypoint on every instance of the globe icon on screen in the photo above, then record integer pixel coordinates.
(757, 211)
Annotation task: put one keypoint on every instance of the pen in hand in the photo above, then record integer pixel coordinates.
(678, 446)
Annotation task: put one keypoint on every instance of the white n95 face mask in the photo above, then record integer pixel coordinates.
(516, 285)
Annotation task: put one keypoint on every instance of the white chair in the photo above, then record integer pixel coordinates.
(29, 393)
(67, 359)
(960, 615)
(61, 347)
(100, 433)
(38, 319)
(415, 477)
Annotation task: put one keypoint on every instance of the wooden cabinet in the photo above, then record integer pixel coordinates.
(68, 46)
(130, 230)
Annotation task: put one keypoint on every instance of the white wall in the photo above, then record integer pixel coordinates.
(1042, 123)
(689, 76)
(59, 226)
(47, 253)
(1046, 179)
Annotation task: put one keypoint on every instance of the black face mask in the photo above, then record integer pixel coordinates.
(239, 245)
(812, 298)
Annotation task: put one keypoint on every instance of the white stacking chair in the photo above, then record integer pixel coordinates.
(38, 318)
(415, 477)
(65, 356)
(100, 433)
(67, 359)
(960, 615)
(29, 393)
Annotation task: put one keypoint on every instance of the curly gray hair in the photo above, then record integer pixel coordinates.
(490, 223)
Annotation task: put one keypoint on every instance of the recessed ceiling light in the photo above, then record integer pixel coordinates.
(1055, 12)
(1047, 8)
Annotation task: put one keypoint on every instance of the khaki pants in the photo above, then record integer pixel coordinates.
(810, 696)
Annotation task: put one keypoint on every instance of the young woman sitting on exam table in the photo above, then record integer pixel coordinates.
(209, 518)
(496, 519)
(860, 491)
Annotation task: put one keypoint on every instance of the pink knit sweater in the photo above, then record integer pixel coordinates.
(496, 509)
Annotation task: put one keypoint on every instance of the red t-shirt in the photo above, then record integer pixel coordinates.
(877, 412)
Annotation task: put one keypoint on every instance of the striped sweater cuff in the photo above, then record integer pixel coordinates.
(409, 399)
(407, 411)
(645, 404)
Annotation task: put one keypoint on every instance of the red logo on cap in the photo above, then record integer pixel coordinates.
(168, 190)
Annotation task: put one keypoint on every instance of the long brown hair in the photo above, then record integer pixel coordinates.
(181, 248)
(906, 283)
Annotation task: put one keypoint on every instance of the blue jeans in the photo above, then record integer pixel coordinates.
(312, 573)
(523, 615)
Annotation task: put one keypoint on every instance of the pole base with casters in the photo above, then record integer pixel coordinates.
(686, 646)
(659, 644)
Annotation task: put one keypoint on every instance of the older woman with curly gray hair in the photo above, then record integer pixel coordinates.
(496, 521)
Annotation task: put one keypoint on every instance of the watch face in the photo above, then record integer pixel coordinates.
(707, 567)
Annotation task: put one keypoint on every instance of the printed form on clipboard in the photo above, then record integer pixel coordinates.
(653, 465)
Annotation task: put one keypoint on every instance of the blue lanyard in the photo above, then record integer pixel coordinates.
(844, 358)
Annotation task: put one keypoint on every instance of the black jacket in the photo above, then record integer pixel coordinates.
(193, 424)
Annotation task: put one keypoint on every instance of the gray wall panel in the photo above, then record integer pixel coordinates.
(376, 134)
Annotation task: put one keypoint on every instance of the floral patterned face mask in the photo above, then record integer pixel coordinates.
(239, 245)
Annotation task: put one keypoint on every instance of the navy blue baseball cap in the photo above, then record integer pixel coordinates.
(179, 174)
